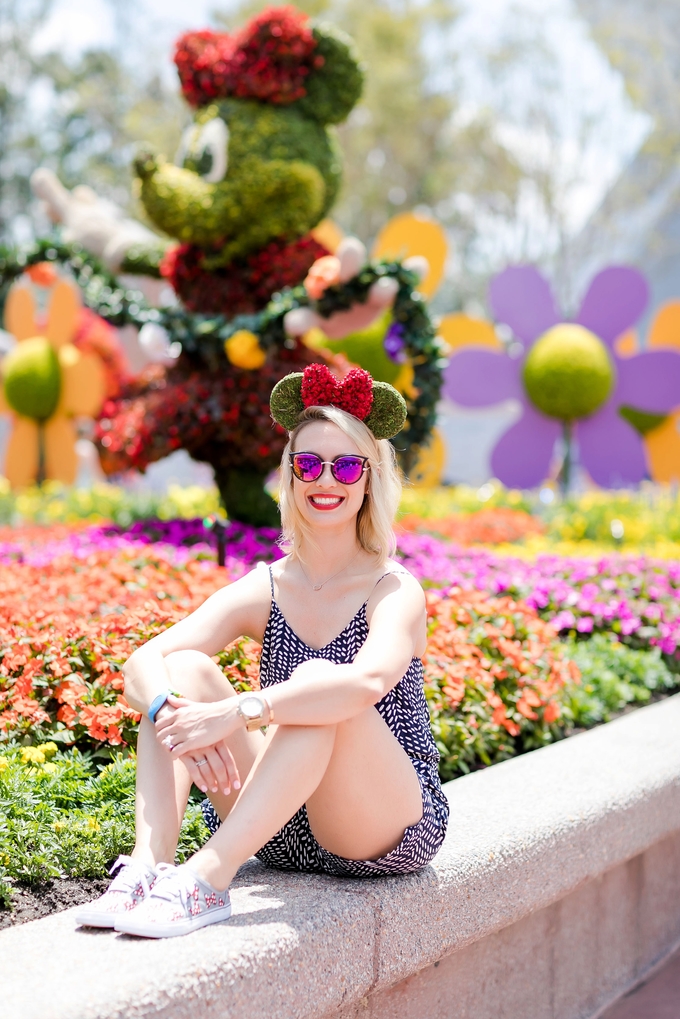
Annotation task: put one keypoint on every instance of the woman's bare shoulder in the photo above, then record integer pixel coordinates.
(395, 577)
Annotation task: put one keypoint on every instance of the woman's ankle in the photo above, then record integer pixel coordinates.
(211, 869)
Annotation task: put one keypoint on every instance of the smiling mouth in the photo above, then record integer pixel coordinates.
(326, 502)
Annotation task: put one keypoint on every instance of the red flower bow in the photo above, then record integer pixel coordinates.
(354, 394)
(269, 59)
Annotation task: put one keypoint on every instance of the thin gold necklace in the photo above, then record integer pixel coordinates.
(317, 587)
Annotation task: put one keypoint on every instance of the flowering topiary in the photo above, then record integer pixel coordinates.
(257, 170)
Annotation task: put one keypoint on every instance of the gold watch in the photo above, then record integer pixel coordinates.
(255, 710)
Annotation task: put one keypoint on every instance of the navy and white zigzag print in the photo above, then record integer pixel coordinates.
(404, 710)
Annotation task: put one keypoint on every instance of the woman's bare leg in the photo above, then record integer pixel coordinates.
(360, 788)
(163, 784)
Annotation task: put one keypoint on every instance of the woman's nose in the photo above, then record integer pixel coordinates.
(326, 477)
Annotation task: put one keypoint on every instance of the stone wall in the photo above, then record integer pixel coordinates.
(558, 887)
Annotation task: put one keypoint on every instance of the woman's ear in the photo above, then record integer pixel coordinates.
(334, 87)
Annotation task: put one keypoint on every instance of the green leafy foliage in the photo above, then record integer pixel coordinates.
(62, 816)
(613, 676)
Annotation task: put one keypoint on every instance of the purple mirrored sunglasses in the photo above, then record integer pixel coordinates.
(345, 469)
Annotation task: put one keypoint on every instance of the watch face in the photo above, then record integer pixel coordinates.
(251, 707)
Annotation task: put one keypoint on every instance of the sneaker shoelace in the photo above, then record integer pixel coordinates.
(174, 884)
(128, 875)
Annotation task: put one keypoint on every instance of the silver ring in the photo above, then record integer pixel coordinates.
(168, 743)
(199, 764)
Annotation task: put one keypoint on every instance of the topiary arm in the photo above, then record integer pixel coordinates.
(98, 225)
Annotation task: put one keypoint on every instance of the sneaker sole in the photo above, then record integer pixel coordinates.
(93, 919)
(144, 929)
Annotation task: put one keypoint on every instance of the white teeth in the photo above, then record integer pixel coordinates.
(325, 500)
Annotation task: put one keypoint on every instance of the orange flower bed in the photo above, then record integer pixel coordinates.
(66, 629)
(483, 527)
(494, 676)
(494, 671)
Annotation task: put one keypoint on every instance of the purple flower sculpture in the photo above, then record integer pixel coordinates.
(568, 377)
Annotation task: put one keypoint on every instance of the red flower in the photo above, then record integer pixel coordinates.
(269, 60)
(243, 286)
(354, 394)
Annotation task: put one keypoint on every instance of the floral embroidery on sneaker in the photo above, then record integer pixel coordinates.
(180, 902)
(132, 882)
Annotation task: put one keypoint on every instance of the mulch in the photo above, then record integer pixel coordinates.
(51, 897)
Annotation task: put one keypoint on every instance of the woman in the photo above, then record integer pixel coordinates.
(345, 779)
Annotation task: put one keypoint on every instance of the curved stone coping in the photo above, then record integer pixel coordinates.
(522, 834)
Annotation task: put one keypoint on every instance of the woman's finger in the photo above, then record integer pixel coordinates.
(195, 773)
(218, 771)
(230, 764)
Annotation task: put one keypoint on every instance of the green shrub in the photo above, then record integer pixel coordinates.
(59, 816)
(613, 676)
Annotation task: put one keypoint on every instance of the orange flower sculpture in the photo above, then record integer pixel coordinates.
(46, 382)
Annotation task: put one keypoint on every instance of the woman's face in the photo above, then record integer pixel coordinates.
(326, 503)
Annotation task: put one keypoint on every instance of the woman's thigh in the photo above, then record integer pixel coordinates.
(197, 677)
(369, 793)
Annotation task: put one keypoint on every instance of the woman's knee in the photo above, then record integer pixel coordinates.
(195, 675)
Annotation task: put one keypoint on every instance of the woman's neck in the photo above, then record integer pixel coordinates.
(333, 551)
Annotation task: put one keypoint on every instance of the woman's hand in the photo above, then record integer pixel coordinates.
(184, 726)
(212, 768)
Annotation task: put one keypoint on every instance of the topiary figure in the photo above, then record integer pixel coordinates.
(257, 170)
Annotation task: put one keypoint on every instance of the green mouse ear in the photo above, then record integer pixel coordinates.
(334, 87)
(388, 411)
(285, 403)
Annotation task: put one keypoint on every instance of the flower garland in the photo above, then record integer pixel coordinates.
(203, 337)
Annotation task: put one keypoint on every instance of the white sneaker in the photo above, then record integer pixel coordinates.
(132, 883)
(180, 902)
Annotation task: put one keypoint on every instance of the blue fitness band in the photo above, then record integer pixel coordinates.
(158, 702)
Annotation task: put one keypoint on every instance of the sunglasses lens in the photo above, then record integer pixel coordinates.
(306, 466)
(348, 469)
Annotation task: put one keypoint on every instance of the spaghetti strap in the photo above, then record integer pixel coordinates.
(271, 583)
(389, 573)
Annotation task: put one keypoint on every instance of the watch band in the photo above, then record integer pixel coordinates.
(253, 723)
(158, 702)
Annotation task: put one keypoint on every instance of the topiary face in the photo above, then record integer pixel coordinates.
(258, 163)
(568, 373)
(249, 173)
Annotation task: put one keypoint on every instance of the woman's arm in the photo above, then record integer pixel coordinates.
(239, 609)
(320, 692)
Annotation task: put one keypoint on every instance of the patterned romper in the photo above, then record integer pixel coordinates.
(404, 710)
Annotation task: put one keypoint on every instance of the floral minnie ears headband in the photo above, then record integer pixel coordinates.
(377, 404)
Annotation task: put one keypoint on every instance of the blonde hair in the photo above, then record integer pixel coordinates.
(375, 532)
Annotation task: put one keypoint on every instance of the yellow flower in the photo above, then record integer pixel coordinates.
(244, 351)
(4, 764)
(32, 755)
(49, 767)
(46, 382)
(49, 749)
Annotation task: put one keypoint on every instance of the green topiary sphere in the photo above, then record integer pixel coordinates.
(568, 373)
(32, 378)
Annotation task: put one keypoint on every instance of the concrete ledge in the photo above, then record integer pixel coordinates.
(541, 854)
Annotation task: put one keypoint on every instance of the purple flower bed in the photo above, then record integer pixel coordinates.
(174, 540)
(635, 597)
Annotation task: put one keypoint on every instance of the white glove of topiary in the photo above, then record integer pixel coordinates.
(99, 225)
